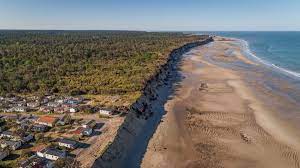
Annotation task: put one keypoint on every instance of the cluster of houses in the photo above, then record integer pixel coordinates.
(11, 141)
(29, 126)
(45, 104)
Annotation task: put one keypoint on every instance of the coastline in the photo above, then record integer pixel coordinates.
(224, 115)
(133, 135)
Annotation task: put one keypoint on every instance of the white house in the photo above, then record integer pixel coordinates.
(7, 134)
(33, 104)
(51, 153)
(106, 112)
(73, 110)
(53, 104)
(67, 143)
(20, 109)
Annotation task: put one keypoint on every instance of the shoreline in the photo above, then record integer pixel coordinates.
(133, 135)
(253, 57)
(218, 117)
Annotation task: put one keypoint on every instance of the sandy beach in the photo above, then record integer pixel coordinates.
(222, 114)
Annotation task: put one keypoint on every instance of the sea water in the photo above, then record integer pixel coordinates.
(279, 50)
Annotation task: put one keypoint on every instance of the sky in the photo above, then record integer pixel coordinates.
(151, 15)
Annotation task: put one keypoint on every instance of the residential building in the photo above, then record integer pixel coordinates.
(83, 131)
(7, 134)
(4, 152)
(66, 119)
(13, 145)
(71, 144)
(44, 101)
(73, 110)
(20, 109)
(36, 162)
(51, 153)
(87, 132)
(46, 109)
(61, 109)
(33, 104)
(72, 101)
(106, 112)
(53, 104)
(26, 137)
(89, 124)
(47, 120)
(39, 128)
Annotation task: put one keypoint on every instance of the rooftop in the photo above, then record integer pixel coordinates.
(47, 119)
(67, 141)
(54, 152)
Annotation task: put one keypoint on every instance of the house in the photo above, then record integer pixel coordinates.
(106, 112)
(47, 120)
(53, 104)
(20, 103)
(13, 145)
(71, 144)
(39, 128)
(36, 162)
(25, 125)
(61, 109)
(73, 102)
(6, 134)
(60, 101)
(66, 119)
(11, 117)
(73, 109)
(33, 104)
(31, 118)
(46, 109)
(44, 101)
(89, 124)
(20, 109)
(20, 119)
(4, 153)
(87, 132)
(26, 137)
(83, 131)
(7, 110)
(51, 153)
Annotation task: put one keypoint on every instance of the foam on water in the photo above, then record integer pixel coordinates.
(245, 46)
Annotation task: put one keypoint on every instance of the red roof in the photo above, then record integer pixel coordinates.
(47, 119)
(38, 148)
(78, 130)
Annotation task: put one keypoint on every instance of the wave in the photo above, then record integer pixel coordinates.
(245, 46)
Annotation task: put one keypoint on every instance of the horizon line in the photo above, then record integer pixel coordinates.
(144, 30)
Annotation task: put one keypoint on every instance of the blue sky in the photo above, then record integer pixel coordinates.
(177, 15)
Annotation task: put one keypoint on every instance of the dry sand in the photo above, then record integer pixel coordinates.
(215, 119)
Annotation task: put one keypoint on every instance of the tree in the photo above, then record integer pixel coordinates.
(67, 163)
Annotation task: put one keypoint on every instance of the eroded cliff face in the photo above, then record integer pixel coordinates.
(132, 138)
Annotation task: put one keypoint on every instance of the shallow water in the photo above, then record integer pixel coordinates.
(279, 91)
(280, 50)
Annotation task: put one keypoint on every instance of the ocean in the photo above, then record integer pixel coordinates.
(279, 50)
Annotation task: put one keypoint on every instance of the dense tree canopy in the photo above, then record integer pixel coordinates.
(92, 62)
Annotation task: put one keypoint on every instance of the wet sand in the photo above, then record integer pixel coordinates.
(223, 114)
